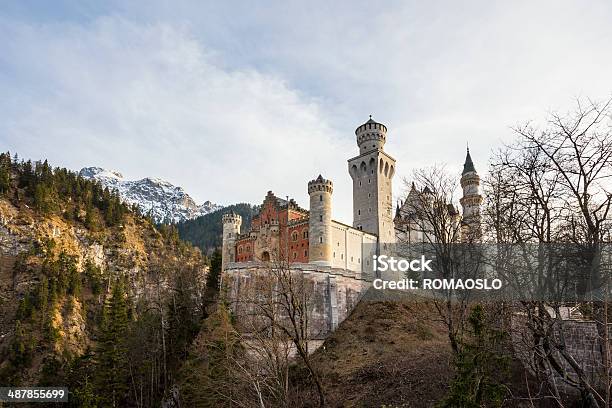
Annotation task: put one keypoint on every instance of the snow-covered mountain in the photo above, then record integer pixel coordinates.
(166, 202)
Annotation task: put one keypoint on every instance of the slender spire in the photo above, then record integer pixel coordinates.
(468, 166)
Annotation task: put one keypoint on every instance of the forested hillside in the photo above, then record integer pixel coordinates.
(93, 296)
(206, 231)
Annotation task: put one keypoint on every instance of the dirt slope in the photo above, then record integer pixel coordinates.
(392, 353)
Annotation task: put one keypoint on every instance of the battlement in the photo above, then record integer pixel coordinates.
(371, 135)
(231, 218)
(320, 185)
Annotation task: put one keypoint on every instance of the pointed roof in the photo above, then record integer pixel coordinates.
(370, 120)
(468, 166)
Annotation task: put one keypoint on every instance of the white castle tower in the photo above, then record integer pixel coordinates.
(320, 221)
(372, 172)
(471, 200)
(231, 230)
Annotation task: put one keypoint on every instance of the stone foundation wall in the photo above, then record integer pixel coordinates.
(332, 294)
(582, 342)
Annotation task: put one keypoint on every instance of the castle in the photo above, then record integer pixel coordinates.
(337, 256)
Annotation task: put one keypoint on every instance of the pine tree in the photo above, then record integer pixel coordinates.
(20, 351)
(481, 366)
(5, 172)
(90, 219)
(112, 373)
(42, 298)
(208, 377)
(212, 279)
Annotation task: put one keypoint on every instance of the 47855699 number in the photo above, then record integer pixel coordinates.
(34, 394)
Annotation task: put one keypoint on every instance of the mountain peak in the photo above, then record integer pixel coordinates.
(98, 172)
(162, 199)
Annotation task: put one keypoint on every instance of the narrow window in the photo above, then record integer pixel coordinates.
(320, 218)
(320, 240)
(321, 197)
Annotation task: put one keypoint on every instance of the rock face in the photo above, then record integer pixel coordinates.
(135, 249)
(163, 200)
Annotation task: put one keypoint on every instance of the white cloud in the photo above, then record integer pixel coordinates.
(230, 100)
(148, 101)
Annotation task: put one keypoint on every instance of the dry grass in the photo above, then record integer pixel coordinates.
(390, 353)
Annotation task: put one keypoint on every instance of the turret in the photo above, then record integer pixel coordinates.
(231, 229)
(371, 136)
(319, 224)
(471, 200)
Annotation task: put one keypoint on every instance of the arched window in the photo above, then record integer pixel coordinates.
(321, 197)
(305, 234)
(294, 236)
(320, 240)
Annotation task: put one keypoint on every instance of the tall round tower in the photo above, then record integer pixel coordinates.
(319, 224)
(231, 229)
(471, 200)
(372, 173)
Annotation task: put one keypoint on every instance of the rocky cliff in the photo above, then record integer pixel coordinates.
(164, 201)
(92, 295)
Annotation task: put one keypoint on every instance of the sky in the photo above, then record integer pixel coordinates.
(232, 99)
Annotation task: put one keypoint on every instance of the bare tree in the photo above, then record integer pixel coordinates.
(275, 317)
(431, 210)
(548, 197)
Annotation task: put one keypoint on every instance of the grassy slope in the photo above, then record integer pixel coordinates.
(387, 353)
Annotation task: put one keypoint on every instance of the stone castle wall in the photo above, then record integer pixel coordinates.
(582, 342)
(332, 292)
